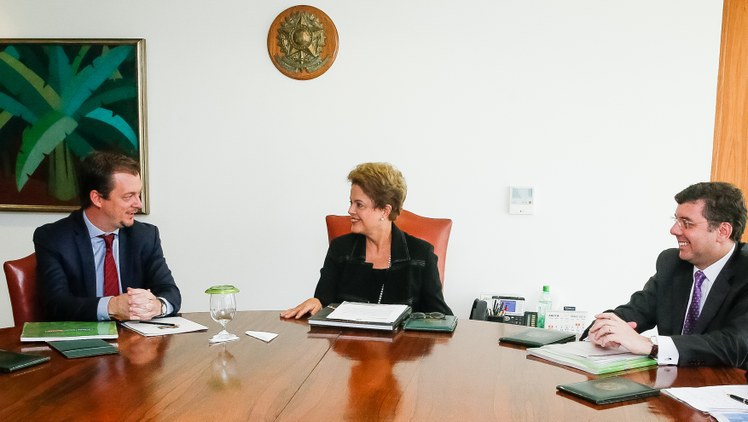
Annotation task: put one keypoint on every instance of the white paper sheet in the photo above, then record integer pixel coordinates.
(368, 312)
(183, 325)
(713, 398)
(262, 335)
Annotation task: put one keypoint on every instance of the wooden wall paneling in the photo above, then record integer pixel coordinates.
(730, 151)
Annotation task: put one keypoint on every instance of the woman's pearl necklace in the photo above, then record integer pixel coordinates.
(381, 292)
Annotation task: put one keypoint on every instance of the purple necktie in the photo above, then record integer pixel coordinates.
(693, 311)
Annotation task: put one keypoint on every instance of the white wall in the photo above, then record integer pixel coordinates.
(606, 108)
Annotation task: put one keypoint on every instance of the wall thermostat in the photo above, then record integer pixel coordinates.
(521, 200)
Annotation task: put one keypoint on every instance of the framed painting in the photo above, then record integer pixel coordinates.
(60, 100)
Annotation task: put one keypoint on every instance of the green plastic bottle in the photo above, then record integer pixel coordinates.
(545, 304)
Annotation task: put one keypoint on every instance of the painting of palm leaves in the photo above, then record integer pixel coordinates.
(59, 101)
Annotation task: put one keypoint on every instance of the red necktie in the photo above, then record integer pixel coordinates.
(111, 280)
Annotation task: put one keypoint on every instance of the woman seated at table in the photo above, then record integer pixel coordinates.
(377, 262)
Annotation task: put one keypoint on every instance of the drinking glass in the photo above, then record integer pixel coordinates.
(222, 310)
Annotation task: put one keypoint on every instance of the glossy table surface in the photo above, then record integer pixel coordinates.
(322, 375)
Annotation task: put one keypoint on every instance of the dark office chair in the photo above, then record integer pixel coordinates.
(21, 277)
(433, 230)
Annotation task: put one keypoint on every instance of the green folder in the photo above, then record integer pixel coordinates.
(447, 324)
(536, 337)
(12, 361)
(608, 390)
(84, 348)
(68, 330)
(559, 353)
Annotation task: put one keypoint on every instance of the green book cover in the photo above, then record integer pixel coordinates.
(12, 361)
(608, 390)
(84, 348)
(430, 324)
(68, 330)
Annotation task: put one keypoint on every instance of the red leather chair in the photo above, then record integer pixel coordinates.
(21, 277)
(433, 230)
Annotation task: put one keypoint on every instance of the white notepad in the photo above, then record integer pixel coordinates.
(368, 312)
(183, 325)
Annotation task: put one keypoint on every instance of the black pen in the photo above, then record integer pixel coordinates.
(168, 324)
(738, 398)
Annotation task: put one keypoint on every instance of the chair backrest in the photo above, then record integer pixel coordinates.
(433, 230)
(21, 277)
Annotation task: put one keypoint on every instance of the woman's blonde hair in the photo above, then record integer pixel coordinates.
(383, 183)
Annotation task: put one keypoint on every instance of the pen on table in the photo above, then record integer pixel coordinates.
(738, 398)
(167, 324)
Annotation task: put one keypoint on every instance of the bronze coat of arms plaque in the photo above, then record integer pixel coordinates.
(302, 42)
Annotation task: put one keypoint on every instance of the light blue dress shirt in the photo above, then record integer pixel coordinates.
(99, 251)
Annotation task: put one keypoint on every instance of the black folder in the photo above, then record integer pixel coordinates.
(536, 337)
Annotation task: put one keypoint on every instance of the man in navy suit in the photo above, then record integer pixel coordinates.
(698, 298)
(71, 252)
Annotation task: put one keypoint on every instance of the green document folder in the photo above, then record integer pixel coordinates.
(68, 330)
(536, 337)
(587, 357)
(84, 348)
(430, 324)
(608, 390)
(12, 361)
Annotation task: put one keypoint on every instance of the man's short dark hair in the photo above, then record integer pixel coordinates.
(96, 170)
(723, 202)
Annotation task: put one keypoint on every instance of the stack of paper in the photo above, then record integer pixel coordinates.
(588, 357)
(715, 400)
(361, 315)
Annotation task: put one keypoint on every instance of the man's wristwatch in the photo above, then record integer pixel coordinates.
(655, 348)
(163, 307)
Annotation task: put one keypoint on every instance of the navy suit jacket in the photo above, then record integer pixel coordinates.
(720, 336)
(66, 273)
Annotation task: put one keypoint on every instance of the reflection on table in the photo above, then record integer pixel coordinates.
(321, 374)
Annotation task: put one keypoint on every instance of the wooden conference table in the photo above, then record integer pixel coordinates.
(320, 375)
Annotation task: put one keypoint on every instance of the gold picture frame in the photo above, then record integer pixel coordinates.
(61, 99)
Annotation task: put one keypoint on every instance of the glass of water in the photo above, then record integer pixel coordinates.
(222, 310)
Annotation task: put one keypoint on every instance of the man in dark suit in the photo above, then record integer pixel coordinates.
(698, 298)
(99, 263)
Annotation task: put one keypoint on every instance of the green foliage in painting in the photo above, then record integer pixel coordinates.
(73, 99)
